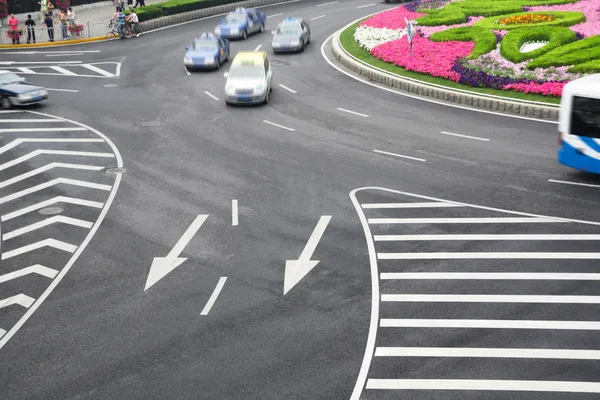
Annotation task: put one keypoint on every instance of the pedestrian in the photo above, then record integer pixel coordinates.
(51, 8)
(130, 4)
(141, 3)
(121, 26)
(64, 20)
(71, 15)
(49, 24)
(13, 22)
(43, 10)
(30, 25)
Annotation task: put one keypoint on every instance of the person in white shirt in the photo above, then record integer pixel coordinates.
(71, 16)
(132, 18)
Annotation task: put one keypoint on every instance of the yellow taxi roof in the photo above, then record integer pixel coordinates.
(251, 57)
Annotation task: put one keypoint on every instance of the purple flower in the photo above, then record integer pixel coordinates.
(579, 36)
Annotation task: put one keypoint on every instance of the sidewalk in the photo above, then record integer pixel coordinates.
(94, 17)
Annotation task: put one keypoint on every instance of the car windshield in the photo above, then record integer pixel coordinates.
(247, 71)
(7, 79)
(205, 45)
(235, 18)
(288, 31)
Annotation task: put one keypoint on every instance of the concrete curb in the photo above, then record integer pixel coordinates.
(53, 44)
(516, 107)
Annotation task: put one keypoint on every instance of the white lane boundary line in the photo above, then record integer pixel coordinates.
(279, 126)
(63, 90)
(353, 112)
(366, 5)
(484, 276)
(327, 4)
(319, 17)
(490, 324)
(489, 256)
(234, 212)
(408, 205)
(287, 88)
(490, 298)
(212, 96)
(483, 384)
(399, 155)
(213, 296)
(6, 337)
(494, 237)
(387, 89)
(482, 352)
(573, 183)
(274, 15)
(465, 136)
(258, 47)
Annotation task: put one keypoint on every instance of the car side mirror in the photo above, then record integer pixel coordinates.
(226, 74)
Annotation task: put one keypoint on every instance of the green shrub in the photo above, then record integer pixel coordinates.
(564, 18)
(445, 16)
(149, 12)
(172, 7)
(579, 52)
(556, 36)
(587, 67)
(485, 40)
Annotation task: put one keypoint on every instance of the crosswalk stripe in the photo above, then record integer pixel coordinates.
(409, 205)
(96, 69)
(400, 238)
(489, 324)
(484, 352)
(482, 384)
(489, 298)
(550, 276)
(54, 200)
(25, 70)
(57, 244)
(34, 269)
(48, 221)
(501, 220)
(62, 70)
(488, 256)
(20, 299)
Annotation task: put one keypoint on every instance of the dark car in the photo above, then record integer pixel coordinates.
(14, 91)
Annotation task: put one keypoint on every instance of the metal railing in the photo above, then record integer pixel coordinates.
(42, 34)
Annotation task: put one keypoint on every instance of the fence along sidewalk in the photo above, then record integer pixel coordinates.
(90, 30)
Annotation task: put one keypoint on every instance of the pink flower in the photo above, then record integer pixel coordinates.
(589, 8)
(433, 58)
(430, 30)
(392, 19)
(547, 88)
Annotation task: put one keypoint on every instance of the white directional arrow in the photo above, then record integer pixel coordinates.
(295, 270)
(161, 266)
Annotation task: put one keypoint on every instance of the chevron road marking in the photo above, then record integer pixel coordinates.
(36, 153)
(46, 222)
(12, 130)
(20, 121)
(98, 70)
(17, 142)
(34, 269)
(51, 183)
(54, 200)
(57, 244)
(63, 71)
(46, 168)
(25, 70)
(19, 299)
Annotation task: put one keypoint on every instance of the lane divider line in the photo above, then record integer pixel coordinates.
(279, 126)
(212, 96)
(319, 17)
(213, 296)
(573, 183)
(234, 212)
(287, 88)
(465, 136)
(274, 15)
(326, 4)
(353, 112)
(399, 155)
(258, 47)
(366, 5)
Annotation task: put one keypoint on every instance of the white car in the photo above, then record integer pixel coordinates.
(250, 78)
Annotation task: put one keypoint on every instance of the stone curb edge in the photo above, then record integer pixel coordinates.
(446, 95)
(162, 22)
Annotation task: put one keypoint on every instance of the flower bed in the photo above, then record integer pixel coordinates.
(478, 43)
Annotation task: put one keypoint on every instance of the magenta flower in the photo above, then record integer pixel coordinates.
(547, 88)
(589, 8)
(392, 19)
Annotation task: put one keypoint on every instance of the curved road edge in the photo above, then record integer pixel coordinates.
(427, 92)
(13, 330)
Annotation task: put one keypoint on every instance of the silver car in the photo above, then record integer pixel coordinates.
(292, 34)
(250, 78)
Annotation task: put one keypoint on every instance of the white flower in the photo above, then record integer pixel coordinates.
(369, 37)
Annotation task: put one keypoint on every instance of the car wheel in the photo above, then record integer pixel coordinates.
(308, 40)
(6, 103)
(302, 46)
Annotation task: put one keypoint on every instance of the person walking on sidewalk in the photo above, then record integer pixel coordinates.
(43, 10)
(141, 3)
(49, 24)
(30, 25)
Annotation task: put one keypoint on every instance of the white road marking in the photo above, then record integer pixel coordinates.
(517, 276)
(258, 47)
(399, 155)
(188, 73)
(48, 221)
(98, 70)
(287, 88)
(63, 90)
(2, 333)
(366, 5)
(16, 121)
(11, 111)
(46, 203)
(49, 52)
(482, 384)
(394, 238)
(353, 112)
(326, 4)
(17, 142)
(501, 220)
(62, 70)
(51, 183)
(489, 256)
(319, 17)
(20, 299)
(36, 153)
(47, 168)
(574, 183)
(212, 96)
(57, 244)
(274, 15)
(75, 53)
(39, 62)
(78, 250)
(485, 298)
(279, 126)
(465, 136)
(234, 212)
(213, 296)
(409, 205)
(490, 324)
(482, 352)
(26, 70)
(11, 130)
(34, 269)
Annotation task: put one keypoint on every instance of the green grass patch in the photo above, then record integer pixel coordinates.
(589, 67)
(352, 47)
(556, 36)
(563, 18)
(579, 52)
(172, 7)
(484, 39)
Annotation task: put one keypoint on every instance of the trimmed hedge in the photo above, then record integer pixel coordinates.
(172, 7)
(564, 18)
(445, 16)
(556, 36)
(484, 39)
(587, 67)
(579, 52)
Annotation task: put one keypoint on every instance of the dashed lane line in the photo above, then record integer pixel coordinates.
(489, 256)
(489, 298)
(366, 5)
(399, 155)
(483, 384)
(274, 15)
(509, 276)
(497, 237)
(493, 220)
(465, 136)
(287, 88)
(213, 296)
(258, 47)
(279, 126)
(489, 324)
(409, 205)
(353, 112)
(327, 4)
(573, 183)
(212, 96)
(319, 17)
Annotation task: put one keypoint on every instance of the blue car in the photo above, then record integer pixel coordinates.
(207, 51)
(241, 23)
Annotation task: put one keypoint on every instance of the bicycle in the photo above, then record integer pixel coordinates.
(128, 30)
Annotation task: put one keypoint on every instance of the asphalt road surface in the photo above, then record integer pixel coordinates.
(236, 192)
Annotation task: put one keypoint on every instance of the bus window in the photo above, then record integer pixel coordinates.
(585, 117)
